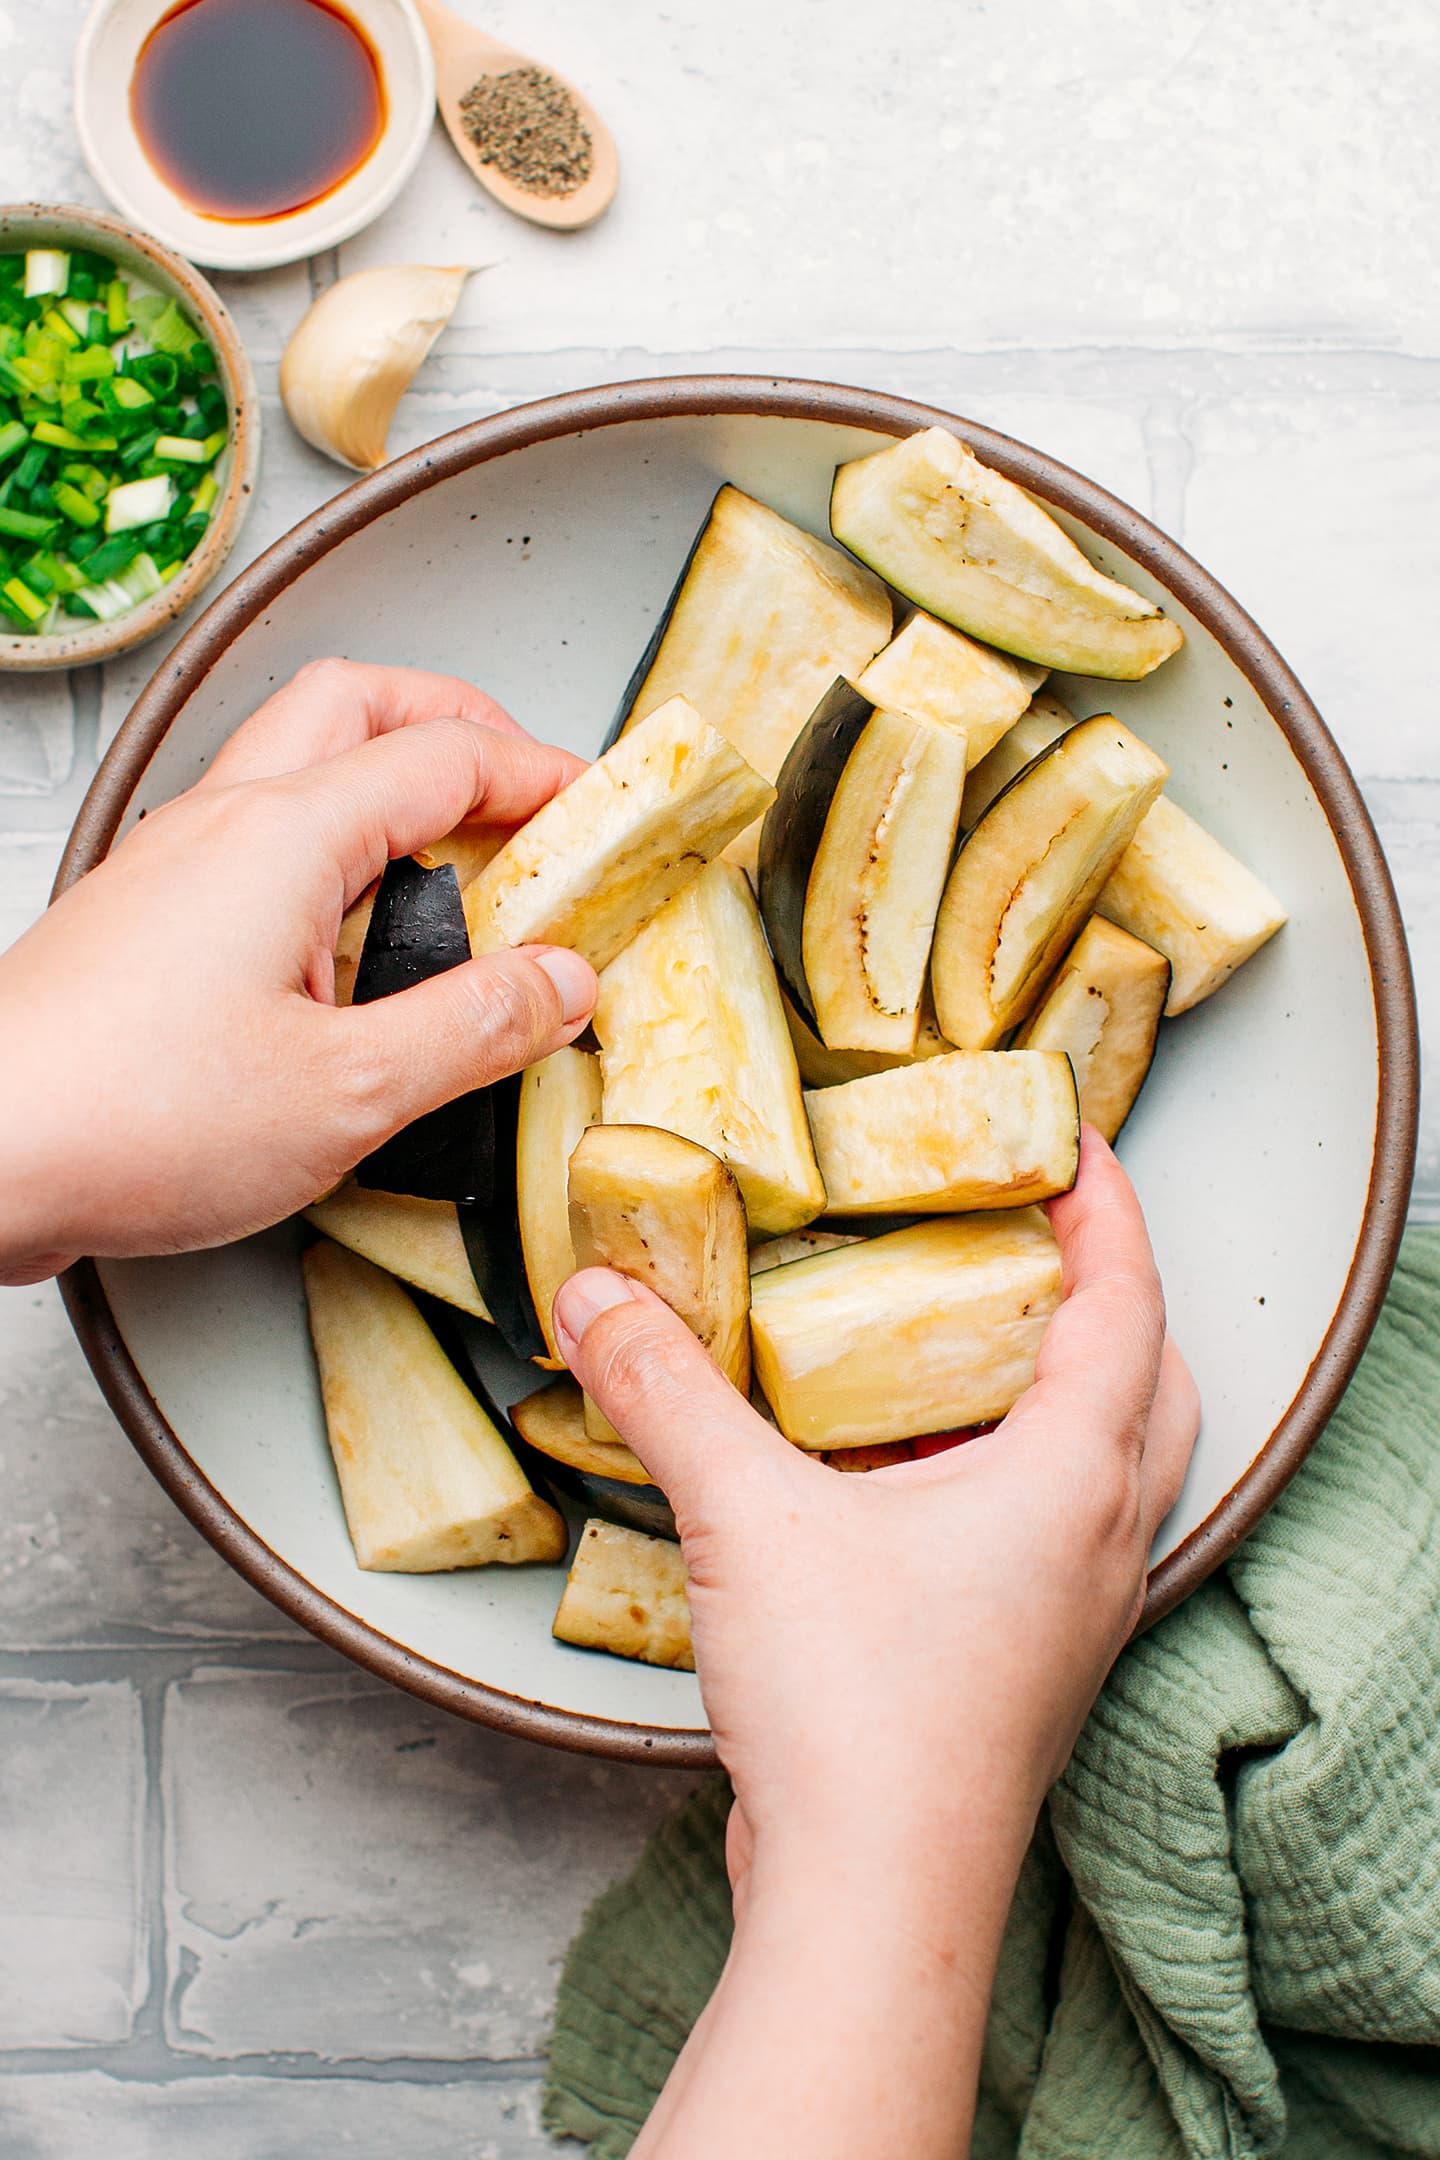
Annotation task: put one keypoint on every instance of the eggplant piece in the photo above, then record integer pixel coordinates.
(559, 1098)
(763, 619)
(793, 826)
(606, 853)
(1182, 892)
(625, 1593)
(418, 1240)
(821, 1066)
(967, 545)
(1030, 873)
(669, 1214)
(875, 888)
(693, 1039)
(426, 1479)
(492, 1232)
(935, 673)
(606, 1480)
(924, 1330)
(350, 944)
(417, 930)
(977, 1129)
(468, 850)
(1043, 722)
(1103, 1010)
(798, 1245)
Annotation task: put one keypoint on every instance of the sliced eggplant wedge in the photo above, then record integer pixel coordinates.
(418, 1240)
(492, 1233)
(935, 673)
(798, 1245)
(668, 1213)
(921, 1331)
(559, 1099)
(606, 853)
(794, 824)
(1043, 722)
(967, 545)
(417, 930)
(1030, 873)
(1103, 1010)
(558, 1453)
(821, 1066)
(625, 1593)
(350, 943)
(1182, 892)
(875, 888)
(977, 1129)
(693, 1039)
(426, 1479)
(762, 621)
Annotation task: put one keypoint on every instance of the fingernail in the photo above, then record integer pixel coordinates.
(573, 977)
(582, 1299)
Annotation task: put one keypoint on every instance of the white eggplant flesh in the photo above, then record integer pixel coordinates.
(966, 544)
(559, 1100)
(1103, 1010)
(820, 1066)
(426, 1479)
(605, 854)
(977, 1129)
(418, 1240)
(1184, 893)
(552, 1421)
(764, 619)
(625, 1593)
(798, 1245)
(935, 673)
(350, 943)
(1030, 873)
(875, 885)
(923, 1330)
(1044, 720)
(668, 1214)
(469, 849)
(693, 1039)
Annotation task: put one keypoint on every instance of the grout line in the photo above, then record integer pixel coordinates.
(150, 2062)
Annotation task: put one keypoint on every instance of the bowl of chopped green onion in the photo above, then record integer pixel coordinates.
(129, 436)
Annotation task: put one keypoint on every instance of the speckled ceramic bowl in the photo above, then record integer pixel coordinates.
(1273, 1146)
(64, 225)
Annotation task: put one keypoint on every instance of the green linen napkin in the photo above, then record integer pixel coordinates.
(1226, 1940)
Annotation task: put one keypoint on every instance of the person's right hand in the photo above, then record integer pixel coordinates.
(895, 1665)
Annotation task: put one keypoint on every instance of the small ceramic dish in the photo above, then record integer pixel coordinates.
(63, 225)
(533, 552)
(105, 60)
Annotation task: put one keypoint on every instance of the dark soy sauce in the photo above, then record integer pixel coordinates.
(250, 109)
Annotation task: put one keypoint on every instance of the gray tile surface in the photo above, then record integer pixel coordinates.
(253, 1904)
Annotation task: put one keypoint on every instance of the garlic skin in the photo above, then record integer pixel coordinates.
(356, 351)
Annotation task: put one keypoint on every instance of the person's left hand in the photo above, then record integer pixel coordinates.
(175, 1071)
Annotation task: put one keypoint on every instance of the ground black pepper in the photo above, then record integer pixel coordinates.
(528, 126)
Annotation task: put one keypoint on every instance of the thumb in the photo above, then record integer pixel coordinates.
(692, 1430)
(461, 1030)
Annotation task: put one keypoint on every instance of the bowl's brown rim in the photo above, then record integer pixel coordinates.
(576, 412)
(86, 647)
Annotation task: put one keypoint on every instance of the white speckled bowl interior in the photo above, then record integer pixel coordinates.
(1272, 1147)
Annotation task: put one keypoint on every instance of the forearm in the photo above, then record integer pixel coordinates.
(851, 2013)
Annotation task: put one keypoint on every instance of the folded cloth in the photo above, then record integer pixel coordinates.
(1226, 1940)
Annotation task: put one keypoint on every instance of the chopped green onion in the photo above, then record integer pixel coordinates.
(142, 580)
(171, 570)
(138, 502)
(77, 507)
(156, 370)
(27, 605)
(172, 332)
(202, 358)
(177, 450)
(204, 498)
(112, 556)
(137, 452)
(59, 438)
(13, 436)
(21, 526)
(105, 602)
(31, 466)
(122, 394)
(83, 285)
(54, 324)
(94, 363)
(92, 483)
(75, 315)
(47, 270)
(63, 577)
(117, 307)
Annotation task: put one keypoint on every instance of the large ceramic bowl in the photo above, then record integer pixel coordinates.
(1272, 1148)
(66, 225)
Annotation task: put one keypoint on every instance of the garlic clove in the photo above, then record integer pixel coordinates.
(355, 353)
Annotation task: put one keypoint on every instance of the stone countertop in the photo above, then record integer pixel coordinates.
(255, 1903)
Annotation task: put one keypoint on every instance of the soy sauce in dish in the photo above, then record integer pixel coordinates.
(253, 109)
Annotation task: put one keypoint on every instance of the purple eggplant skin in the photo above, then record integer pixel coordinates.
(492, 1233)
(634, 1507)
(794, 824)
(418, 930)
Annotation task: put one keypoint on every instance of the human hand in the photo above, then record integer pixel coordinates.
(176, 1073)
(895, 1667)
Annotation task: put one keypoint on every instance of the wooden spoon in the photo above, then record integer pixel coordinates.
(463, 55)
